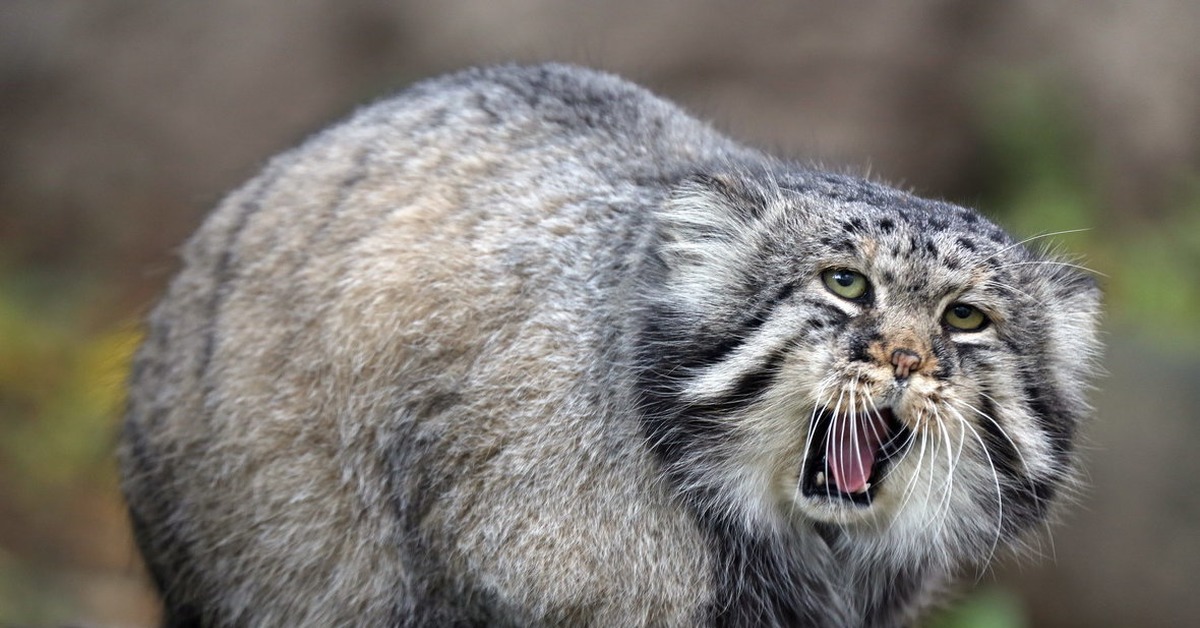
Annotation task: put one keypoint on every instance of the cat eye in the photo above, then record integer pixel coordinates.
(845, 283)
(965, 317)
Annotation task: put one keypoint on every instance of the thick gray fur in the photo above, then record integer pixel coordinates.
(531, 346)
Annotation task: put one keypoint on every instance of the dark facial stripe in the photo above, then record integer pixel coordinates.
(859, 340)
(713, 348)
(668, 356)
(1051, 416)
(1025, 499)
(1000, 448)
(675, 426)
(749, 388)
(942, 352)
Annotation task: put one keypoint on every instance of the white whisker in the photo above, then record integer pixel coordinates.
(995, 282)
(910, 490)
(812, 426)
(999, 491)
(1054, 263)
(1040, 236)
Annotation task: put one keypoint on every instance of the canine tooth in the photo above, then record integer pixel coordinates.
(820, 478)
(863, 489)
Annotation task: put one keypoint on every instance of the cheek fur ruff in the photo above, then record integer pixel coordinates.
(532, 346)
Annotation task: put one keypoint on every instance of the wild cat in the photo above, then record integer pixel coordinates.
(531, 346)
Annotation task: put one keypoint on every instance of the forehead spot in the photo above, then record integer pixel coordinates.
(914, 244)
(854, 225)
(841, 245)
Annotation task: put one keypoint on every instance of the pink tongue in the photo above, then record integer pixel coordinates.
(851, 449)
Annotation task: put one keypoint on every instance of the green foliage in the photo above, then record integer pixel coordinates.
(28, 598)
(1036, 161)
(60, 389)
(1156, 280)
(61, 392)
(990, 608)
(1045, 181)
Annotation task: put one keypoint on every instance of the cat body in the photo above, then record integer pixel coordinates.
(531, 346)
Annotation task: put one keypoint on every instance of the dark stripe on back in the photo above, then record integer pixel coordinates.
(223, 271)
(358, 173)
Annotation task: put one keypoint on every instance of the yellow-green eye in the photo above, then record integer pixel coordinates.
(964, 317)
(845, 283)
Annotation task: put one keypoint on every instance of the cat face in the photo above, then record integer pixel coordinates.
(835, 351)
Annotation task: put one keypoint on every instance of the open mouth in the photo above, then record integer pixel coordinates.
(849, 455)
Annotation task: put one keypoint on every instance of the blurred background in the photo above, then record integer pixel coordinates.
(123, 121)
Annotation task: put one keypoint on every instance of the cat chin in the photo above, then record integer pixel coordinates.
(820, 510)
(880, 504)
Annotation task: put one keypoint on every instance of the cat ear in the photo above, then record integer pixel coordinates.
(703, 230)
(1074, 331)
(710, 206)
(704, 214)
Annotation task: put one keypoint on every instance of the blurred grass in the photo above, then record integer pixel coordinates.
(988, 608)
(61, 392)
(1044, 180)
(61, 387)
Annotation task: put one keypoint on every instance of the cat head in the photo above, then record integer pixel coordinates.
(815, 348)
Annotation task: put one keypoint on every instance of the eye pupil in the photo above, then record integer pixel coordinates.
(846, 284)
(965, 317)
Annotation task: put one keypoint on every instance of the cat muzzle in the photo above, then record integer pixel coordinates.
(849, 453)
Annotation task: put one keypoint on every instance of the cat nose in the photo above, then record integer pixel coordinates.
(906, 361)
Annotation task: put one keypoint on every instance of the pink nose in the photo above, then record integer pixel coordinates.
(905, 361)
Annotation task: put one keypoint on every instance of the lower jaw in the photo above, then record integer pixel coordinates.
(817, 487)
(818, 495)
(840, 511)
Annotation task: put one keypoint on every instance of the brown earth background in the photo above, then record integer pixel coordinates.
(123, 121)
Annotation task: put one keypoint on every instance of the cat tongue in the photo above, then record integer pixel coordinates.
(851, 451)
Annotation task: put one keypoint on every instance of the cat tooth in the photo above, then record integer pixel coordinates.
(820, 478)
(865, 488)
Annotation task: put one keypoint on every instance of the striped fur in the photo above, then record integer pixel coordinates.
(531, 346)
